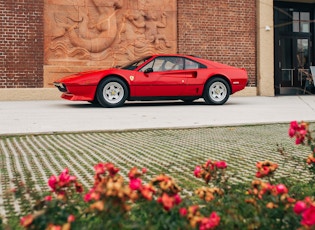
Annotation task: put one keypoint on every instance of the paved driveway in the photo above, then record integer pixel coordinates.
(67, 116)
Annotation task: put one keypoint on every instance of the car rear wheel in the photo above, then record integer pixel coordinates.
(112, 92)
(217, 91)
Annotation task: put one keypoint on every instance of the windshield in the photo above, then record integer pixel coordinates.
(133, 65)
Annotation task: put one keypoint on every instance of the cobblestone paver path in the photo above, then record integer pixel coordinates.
(175, 152)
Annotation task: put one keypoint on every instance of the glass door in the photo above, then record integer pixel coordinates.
(293, 33)
(294, 63)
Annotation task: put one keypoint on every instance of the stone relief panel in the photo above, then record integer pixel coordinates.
(105, 33)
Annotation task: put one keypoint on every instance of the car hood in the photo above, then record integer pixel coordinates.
(92, 74)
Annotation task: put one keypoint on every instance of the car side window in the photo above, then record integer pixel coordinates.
(165, 64)
(134, 65)
(190, 64)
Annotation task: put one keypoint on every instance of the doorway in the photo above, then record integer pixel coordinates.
(293, 48)
(294, 64)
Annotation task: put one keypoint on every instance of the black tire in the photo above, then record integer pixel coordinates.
(217, 91)
(95, 102)
(188, 100)
(112, 92)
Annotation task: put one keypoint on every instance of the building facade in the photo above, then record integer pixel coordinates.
(271, 39)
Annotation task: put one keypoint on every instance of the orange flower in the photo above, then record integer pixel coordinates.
(27, 220)
(265, 168)
(168, 202)
(99, 205)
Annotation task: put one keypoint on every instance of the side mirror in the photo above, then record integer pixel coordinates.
(148, 70)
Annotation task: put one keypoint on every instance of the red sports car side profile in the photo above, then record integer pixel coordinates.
(157, 77)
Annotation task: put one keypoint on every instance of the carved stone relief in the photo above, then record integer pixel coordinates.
(104, 33)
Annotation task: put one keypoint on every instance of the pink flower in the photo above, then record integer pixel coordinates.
(71, 218)
(197, 171)
(144, 170)
(48, 198)
(99, 168)
(135, 184)
(65, 178)
(299, 207)
(111, 169)
(88, 197)
(52, 182)
(308, 216)
(281, 189)
(293, 128)
(221, 164)
(183, 211)
(291, 132)
(211, 222)
(177, 199)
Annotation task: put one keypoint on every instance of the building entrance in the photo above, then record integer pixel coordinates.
(293, 49)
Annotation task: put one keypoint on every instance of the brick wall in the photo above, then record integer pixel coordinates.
(21, 43)
(223, 31)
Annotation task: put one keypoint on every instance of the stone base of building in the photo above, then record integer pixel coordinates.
(30, 94)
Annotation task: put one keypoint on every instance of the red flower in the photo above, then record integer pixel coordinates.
(299, 207)
(48, 198)
(71, 218)
(221, 164)
(88, 197)
(99, 168)
(111, 169)
(52, 182)
(281, 189)
(299, 131)
(168, 202)
(133, 173)
(177, 199)
(183, 211)
(78, 187)
(144, 170)
(293, 127)
(197, 171)
(135, 184)
(147, 192)
(308, 216)
(211, 222)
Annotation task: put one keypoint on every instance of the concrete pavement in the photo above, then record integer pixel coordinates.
(25, 117)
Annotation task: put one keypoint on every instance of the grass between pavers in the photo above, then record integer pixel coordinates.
(174, 152)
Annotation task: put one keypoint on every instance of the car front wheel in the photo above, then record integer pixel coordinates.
(216, 92)
(112, 92)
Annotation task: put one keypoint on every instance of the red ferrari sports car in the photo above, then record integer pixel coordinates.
(157, 77)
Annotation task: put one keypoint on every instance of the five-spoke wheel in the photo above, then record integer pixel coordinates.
(112, 92)
(216, 91)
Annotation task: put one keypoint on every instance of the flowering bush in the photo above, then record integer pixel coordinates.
(303, 135)
(116, 203)
(306, 209)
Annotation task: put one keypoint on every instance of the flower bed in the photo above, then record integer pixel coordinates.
(268, 202)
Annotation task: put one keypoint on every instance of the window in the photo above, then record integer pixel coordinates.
(135, 64)
(189, 64)
(292, 20)
(301, 22)
(165, 64)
